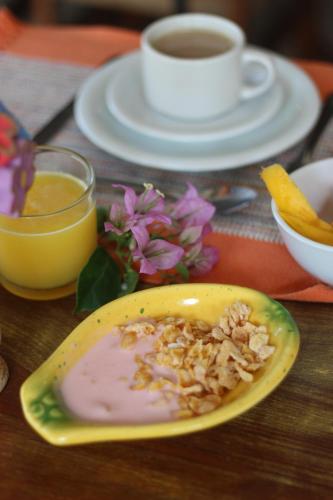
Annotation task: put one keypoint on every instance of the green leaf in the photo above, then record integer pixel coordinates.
(183, 271)
(102, 216)
(130, 282)
(99, 282)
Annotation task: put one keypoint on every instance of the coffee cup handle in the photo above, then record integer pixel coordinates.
(254, 85)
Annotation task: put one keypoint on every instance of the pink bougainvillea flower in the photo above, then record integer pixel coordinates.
(150, 200)
(141, 235)
(23, 165)
(191, 209)
(6, 191)
(119, 220)
(129, 198)
(191, 235)
(17, 177)
(147, 207)
(154, 254)
(200, 259)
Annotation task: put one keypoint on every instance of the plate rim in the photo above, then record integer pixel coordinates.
(139, 155)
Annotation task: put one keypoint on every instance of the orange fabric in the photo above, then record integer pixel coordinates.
(87, 46)
(321, 73)
(268, 267)
(265, 266)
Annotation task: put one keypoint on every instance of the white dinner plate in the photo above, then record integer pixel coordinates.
(297, 115)
(125, 100)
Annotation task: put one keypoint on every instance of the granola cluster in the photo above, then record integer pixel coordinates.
(205, 361)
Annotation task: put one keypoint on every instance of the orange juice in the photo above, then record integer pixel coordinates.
(43, 251)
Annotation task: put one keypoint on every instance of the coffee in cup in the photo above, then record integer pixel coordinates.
(192, 43)
(193, 66)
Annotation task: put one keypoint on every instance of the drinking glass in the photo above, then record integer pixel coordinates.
(42, 254)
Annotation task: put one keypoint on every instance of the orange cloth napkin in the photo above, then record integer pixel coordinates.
(265, 266)
(87, 46)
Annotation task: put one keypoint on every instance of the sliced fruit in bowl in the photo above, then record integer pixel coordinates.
(303, 210)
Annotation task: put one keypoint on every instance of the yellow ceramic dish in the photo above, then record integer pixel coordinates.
(43, 409)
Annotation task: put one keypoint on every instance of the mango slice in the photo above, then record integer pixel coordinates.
(285, 192)
(309, 230)
(294, 207)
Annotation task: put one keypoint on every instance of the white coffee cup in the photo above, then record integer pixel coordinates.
(201, 88)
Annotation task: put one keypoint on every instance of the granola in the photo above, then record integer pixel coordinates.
(206, 361)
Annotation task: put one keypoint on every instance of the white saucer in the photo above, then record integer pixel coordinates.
(125, 100)
(298, 113)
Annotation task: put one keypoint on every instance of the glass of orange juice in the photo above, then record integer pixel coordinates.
(43, 251)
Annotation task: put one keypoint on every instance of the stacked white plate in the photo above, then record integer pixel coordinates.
(112, 113)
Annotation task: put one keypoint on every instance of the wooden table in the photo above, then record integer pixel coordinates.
(278, 450)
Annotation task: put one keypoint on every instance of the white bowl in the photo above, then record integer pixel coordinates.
(316, 182)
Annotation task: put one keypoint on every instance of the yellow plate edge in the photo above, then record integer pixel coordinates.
(79, 433)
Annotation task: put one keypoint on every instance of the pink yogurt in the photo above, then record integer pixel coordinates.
(97, 388)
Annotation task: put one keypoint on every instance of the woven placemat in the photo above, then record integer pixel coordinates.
(36, 89)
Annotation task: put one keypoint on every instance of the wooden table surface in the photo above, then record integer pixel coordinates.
(280, 449)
